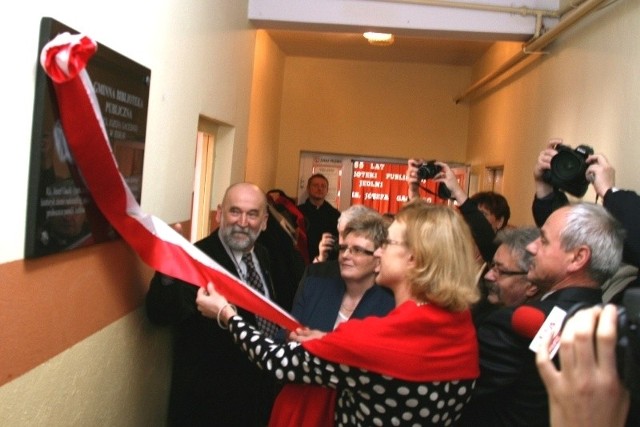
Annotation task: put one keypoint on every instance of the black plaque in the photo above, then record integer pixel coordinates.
(61, 214)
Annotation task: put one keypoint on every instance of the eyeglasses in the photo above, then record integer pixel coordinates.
(355, 250)
(500, 272)
(387, 242)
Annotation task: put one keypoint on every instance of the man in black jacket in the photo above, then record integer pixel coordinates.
(213, 383)
(320, 216)
(624, 205)
(580, 247)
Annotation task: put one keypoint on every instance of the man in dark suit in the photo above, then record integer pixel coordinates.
(213, 383)
(580, 247)
(320, 216)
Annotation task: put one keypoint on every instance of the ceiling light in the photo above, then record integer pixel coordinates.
(379, 39)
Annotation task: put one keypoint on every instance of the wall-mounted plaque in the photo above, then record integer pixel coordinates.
(61, 214)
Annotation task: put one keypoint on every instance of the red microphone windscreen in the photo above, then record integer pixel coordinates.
(527, 320)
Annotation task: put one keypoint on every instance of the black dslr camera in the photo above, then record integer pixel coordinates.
(429, 170)
(568, 168)
(628, 339)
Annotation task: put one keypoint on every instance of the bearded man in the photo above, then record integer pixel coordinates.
(213, 383)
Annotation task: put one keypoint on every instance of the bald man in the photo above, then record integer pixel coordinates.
(212, 382)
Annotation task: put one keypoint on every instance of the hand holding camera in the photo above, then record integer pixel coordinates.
(327, 248)
(419, 170)
(559, 166)
(412, 178)
(601, 174)
(587, 390)
(544, 159)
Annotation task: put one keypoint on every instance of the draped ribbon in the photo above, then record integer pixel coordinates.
(64, 60)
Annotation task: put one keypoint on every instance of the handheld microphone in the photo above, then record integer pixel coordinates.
(527, 320)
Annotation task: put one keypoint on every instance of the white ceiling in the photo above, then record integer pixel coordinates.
(429, 33)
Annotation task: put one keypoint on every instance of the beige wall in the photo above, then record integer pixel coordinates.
(585, 90)
(266, 99)
(116, 377)
(76, 350)
(369, 109)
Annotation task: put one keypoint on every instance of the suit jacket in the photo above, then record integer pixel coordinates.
(213, 383)
(509, 391)
(319, 299)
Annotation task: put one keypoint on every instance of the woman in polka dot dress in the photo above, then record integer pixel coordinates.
(414, 367)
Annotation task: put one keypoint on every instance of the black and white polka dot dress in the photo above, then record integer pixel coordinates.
(364, 398)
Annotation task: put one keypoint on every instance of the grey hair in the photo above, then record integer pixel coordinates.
(370, 225)
(351, 212)
(592, 225)
(517, 239)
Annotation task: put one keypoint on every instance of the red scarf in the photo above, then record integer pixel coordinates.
(412, 343)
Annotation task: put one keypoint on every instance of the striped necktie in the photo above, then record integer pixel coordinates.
(255, 281)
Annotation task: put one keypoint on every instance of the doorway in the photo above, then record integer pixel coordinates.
(202, 184)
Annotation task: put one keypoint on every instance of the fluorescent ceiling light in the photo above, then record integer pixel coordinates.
(380, 39)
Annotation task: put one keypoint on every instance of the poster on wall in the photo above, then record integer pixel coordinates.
(379, 185)
(383, 185)
(61, 214)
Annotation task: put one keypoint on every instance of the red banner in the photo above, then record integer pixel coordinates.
(383, 186)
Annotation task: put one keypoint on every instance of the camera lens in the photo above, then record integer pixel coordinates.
(567, 165)
(568, 168)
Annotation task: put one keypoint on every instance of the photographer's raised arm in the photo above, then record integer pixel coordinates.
(412, 178)
(546, 199)
(543, 188)
(449, 179)
(624, 205)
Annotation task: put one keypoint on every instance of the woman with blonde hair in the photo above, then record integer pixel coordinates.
(417, 365)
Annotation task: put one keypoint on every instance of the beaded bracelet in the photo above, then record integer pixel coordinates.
(220, 312)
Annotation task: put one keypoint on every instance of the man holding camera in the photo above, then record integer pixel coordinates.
(624, 205)
(580, 247)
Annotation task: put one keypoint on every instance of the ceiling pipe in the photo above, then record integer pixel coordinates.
(533, 46)
(524, 11)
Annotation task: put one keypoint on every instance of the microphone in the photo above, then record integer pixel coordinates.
(527, 320)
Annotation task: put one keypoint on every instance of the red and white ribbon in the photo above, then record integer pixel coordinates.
(64, 59)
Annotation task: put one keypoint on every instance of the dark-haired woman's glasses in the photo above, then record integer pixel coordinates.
(355, 250)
